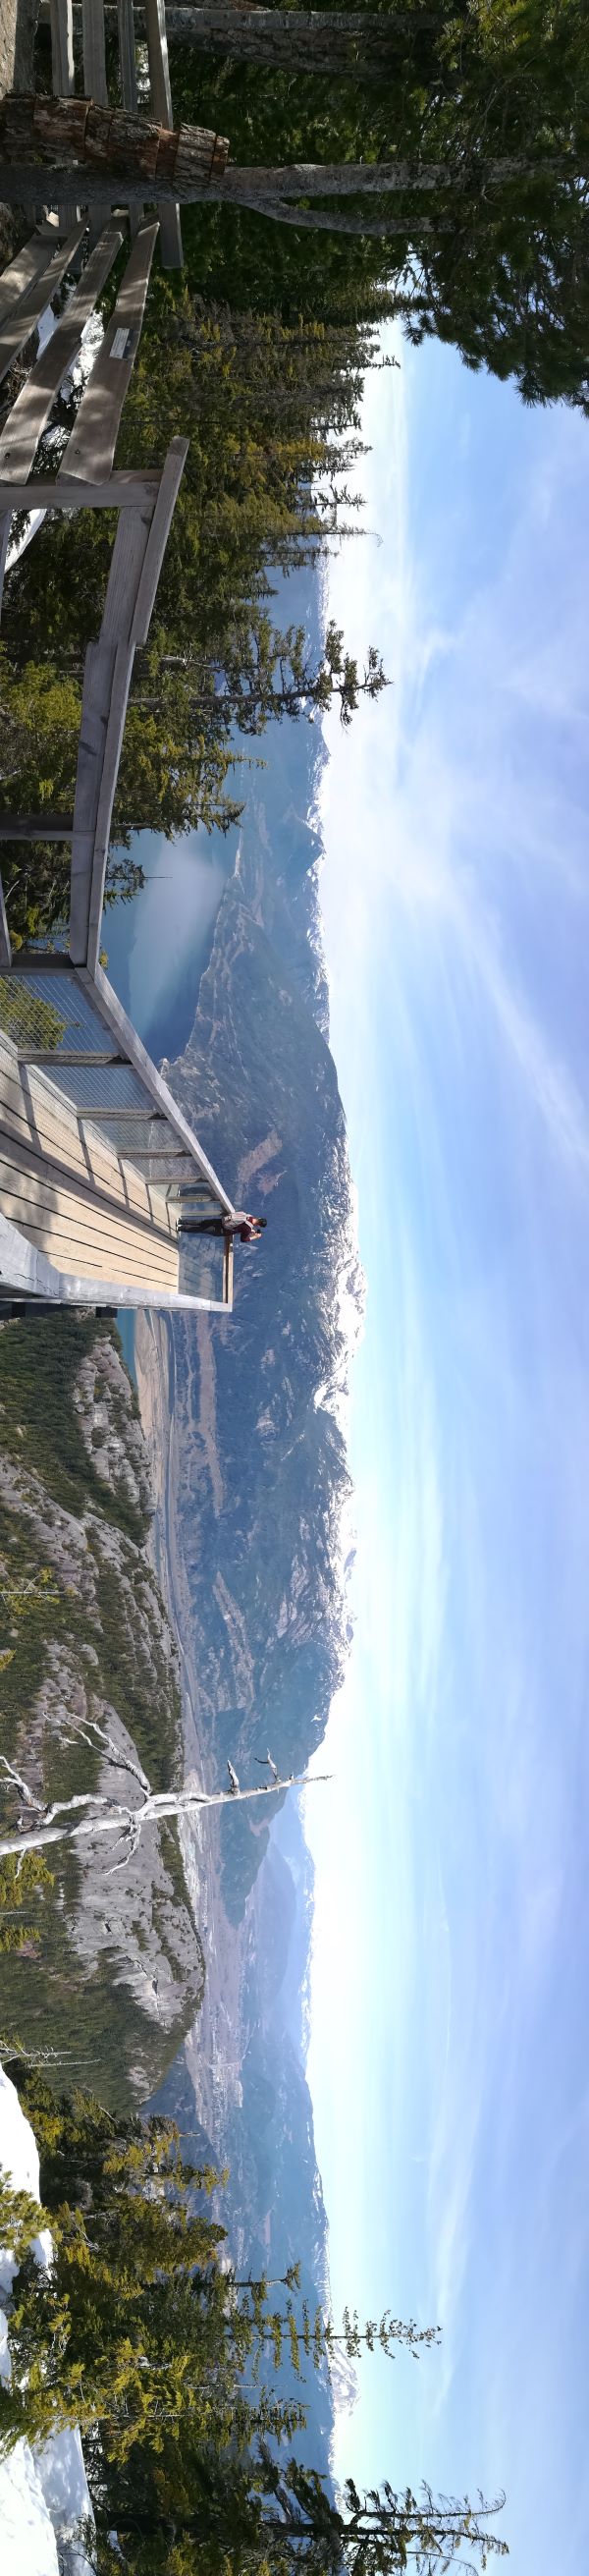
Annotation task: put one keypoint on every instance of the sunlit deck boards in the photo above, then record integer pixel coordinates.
(73, 1197)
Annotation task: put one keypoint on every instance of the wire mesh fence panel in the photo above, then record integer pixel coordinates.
(79, 1025)
(29, 1017)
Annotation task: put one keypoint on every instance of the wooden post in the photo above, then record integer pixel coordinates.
(63, 79)
(161, 99)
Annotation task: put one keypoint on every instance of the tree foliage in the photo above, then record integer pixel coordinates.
(273, 416)
(143, 2332)
(500, 269)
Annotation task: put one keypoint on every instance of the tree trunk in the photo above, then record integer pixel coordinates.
(63, 1822)
(128, 157)
(344, 44)
(111, 143)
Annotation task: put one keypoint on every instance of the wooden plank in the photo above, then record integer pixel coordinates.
(30, 413)
(35, 827)
(26, 1273)
(127, 61)
(57, 1056)
(98, 671)
(95, 81)
(115, 1018)
(28, 264)
(17, 329)
(61, 19)
(38, 1123)
(63, 78)
(5, 529)
(171, 251)
(127, 562)
(128, 81)
(5, 946)
(170, 481)
(34, 1123)
(37, 1120)
(46, 1187)
(62, 1228)
(106, 689)
(104, 705)
(110, 769)
(92, 444)
(124, 490)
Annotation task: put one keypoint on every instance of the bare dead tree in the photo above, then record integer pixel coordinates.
(94, 1812)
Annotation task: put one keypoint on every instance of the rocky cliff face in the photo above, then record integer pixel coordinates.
(117, 1969)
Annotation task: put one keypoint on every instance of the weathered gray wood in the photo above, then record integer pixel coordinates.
(107, 676)
(95, 81)
(57, 1056)
(123, 491)
(127, 60)
(171, 251)
(34, 827)
(171, 478)
(26, 1269)
(63, 79)
(115, 1018)
(110, 768)
(127, 561)
(62, 47)
(17, 329)
(128, 80)
(5, 947)
(92, 445)
(30, 413)
(29, 263)
(98, 670)
(5, 527)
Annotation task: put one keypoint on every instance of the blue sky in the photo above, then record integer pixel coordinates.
(449, 2056)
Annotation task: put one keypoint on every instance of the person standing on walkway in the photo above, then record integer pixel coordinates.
(227, 1227)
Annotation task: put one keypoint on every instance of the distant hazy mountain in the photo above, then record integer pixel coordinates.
(256, 1505)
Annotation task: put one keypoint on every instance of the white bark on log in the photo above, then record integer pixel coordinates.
(112, 1817)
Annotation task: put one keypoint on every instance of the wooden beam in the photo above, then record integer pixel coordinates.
(171, 477)
(5, 945)
(171, 251)
(17, 329)
(127, 61)
(58, 1056)
(91, 448)
(121, 491)
(35, 827)
(61, 19)
(128, 81)
(30, 413)
(95, 81)
(29, 263)
(121, 680)
(106, 1002)
(107, 675)
(24, 1268)
(63, 79)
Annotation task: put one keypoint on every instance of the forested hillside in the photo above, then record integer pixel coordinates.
(107, 1972)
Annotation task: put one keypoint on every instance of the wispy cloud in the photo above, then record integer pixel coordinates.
(456, 905)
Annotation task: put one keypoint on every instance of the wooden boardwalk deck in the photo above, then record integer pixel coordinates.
(70, 1193)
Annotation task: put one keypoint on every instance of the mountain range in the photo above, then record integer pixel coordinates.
(243, 1420)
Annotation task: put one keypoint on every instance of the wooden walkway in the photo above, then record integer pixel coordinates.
(75, 1197)
(94, 1152)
